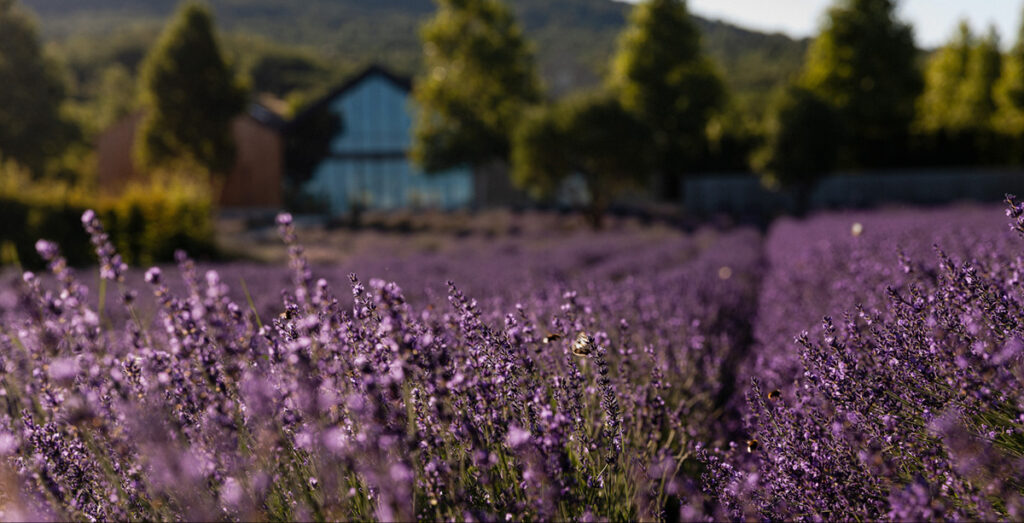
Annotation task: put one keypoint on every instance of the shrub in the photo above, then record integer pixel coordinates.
(148, 222)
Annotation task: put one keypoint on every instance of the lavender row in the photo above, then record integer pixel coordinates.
(589, 379)
(908, 405)
(575, 385)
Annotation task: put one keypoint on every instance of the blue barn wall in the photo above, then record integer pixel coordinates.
(368, 163)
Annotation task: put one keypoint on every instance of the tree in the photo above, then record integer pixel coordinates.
(190, 97)
(590, 134)
(802, 144)
(279, 69)
(479, 76)
(943, 78)
(31, 95)
(1009, 90)
(863, 64)
(662, 77)
(977, 92)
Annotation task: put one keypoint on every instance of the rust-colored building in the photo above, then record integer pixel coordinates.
(254, 182)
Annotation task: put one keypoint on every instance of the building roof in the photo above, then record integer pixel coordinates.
(402, 82)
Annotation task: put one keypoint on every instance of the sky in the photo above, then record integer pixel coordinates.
(933, 20)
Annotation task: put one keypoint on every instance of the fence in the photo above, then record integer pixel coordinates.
(742, 193)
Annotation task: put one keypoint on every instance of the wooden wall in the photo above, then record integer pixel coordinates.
(255, 181)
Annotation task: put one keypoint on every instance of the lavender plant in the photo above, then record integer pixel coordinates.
(677, 378)
(909, 408)
(191, 404)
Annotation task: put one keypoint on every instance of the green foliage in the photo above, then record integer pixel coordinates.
(733, 136)
(190, 97)
(957, 113)
(574, 38)
(591, 134)
(802, 144)
(116, 95)
(280, 69)
(944, 75)
(663, 78)
(31, 92)
(977, 93)
(539, 162)
(479, 76)
(112, 98)
(87, 57)
(864, 64)
(1009, 90)
(147, 223)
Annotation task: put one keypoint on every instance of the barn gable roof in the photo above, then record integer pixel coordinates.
(401, 82)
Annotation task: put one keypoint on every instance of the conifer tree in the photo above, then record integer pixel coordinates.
(977, 92)
(591, 134)
(190, 96)
(863, 64)
(1009, 91)
(802, 146)
(662, 77)
(478, 78)
(31, 93)
(943, 81)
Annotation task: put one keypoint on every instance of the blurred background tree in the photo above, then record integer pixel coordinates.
(957, 110)
(190, 96)
(977, 91)
(662, 77)
(478, 77)
(32, 129)
(297, 74)
(591, 134)
(943, 78)
(864, 64)
(1009, 91)
(117, 95)
(804, 136)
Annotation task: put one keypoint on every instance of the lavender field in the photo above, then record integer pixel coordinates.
(849, 366)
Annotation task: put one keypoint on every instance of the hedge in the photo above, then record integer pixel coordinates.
(146, 223)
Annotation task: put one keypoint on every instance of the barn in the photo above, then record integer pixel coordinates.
(254, 183)
(367, 164)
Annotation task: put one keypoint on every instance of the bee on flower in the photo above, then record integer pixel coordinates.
(583, 345)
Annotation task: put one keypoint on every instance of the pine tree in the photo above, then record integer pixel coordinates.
(863, 64)
(977, 92)
(1009, 91)
(478, 78)
(943, 81)
(31, 93)
(664, 79)
(802, 146)
(591, 134)
(190, 97)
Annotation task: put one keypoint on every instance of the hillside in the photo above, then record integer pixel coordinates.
(574, 38)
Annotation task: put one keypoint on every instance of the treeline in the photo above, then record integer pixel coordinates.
(659, 108)
(860, 101)
(573, 37)
(187, 96)
(662, 109)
